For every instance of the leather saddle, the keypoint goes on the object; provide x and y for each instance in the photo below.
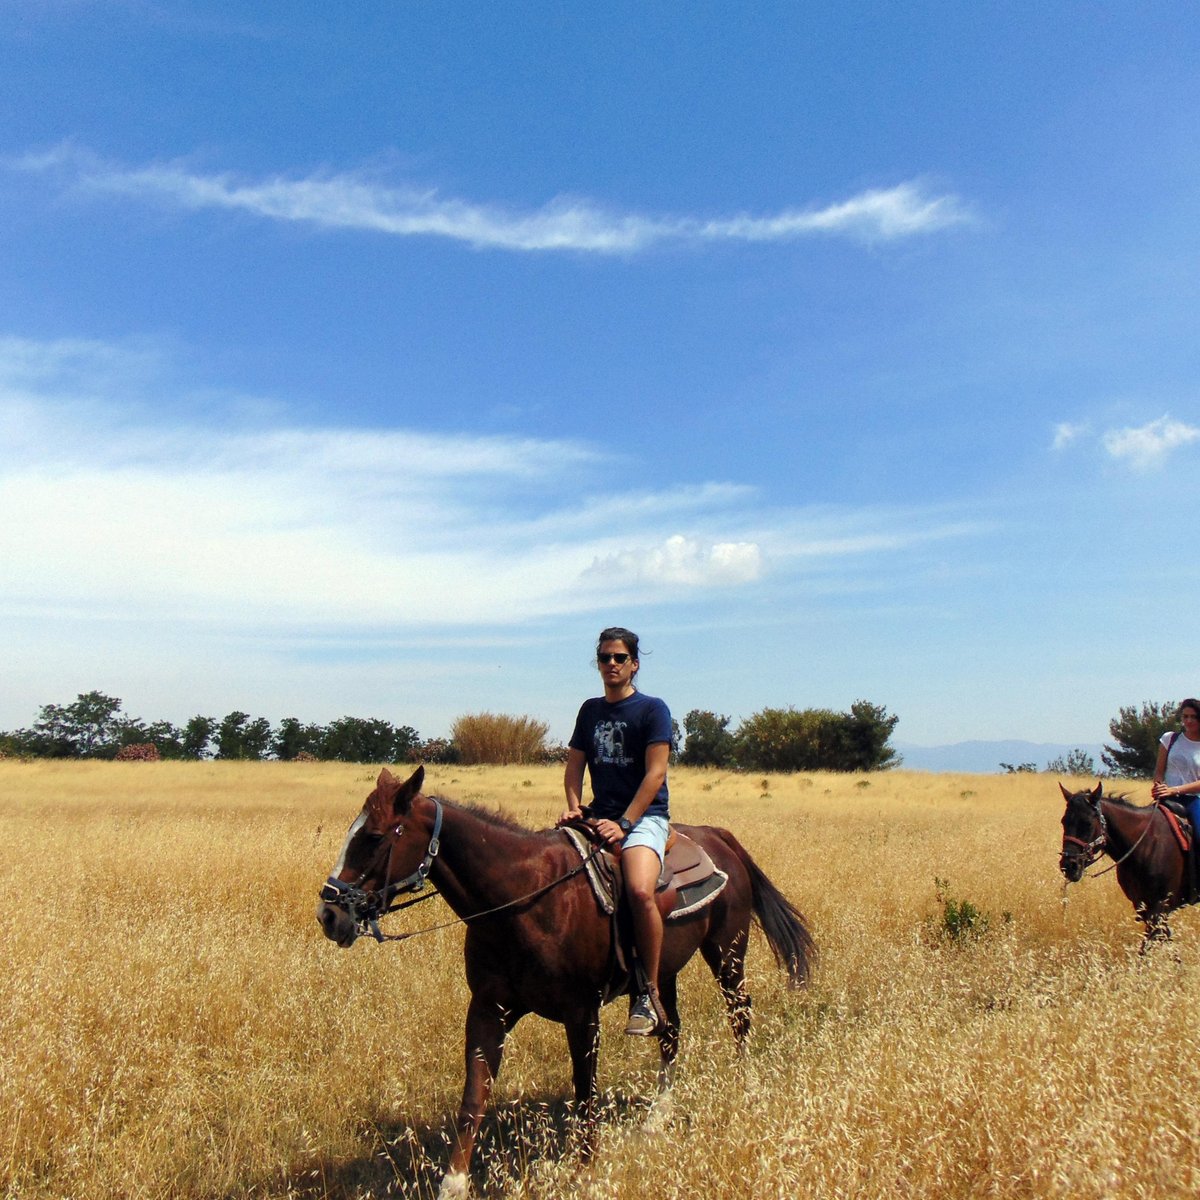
(688, 882)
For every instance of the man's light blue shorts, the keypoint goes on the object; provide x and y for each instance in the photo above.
(649, 831)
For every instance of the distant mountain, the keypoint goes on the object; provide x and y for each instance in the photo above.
(984, 758)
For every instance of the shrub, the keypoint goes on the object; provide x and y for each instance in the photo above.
(138, 752)
(438, 751)
(495, 738)
(816, 739)
(961, 921)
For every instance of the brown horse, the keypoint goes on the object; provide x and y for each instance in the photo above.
(1151, 867)
(536, 940)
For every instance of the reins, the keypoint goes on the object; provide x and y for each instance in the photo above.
(1100, 843)
(380, 903)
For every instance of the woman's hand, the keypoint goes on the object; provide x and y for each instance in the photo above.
(610, 831)
(572, 814)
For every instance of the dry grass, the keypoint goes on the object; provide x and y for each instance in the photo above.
(175, 1026)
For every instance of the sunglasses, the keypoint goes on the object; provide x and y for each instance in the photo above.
(619, 659)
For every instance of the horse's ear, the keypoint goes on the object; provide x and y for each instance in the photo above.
(404, 796)
(1064, 791)
(386, 778)
(1098, 790)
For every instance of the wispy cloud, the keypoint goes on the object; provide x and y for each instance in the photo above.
(1066, 433)
(1147, 446)
(110, 508)
(686, 561)
(352, 200)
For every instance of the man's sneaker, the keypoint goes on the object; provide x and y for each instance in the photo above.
(643, 1021)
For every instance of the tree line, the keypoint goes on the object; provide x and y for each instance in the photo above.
(93, 726)
(775, 739)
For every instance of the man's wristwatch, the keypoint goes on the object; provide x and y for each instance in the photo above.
(625, 823)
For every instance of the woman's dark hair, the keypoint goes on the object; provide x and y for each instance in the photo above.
(1191, 703)
(617, 634)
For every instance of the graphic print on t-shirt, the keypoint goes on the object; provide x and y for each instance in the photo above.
(608, 738)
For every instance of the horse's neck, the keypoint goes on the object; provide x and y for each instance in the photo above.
(481, 865)
(1127, 824)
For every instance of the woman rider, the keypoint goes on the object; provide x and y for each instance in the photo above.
(623, 738)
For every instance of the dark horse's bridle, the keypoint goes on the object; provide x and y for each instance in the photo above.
(1091, 851)
(365, 906)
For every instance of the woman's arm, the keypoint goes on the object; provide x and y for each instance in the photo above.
(1160, 791)
(573, 785)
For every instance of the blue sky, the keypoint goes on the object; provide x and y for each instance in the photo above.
(368, 359)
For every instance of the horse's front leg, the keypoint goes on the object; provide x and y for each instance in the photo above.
(1157, 930)
(487, 1027)
(583, 1041)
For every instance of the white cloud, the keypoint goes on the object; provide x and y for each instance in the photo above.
(1065, 433)
(349, 200)
(1147, 446)
(681, 560)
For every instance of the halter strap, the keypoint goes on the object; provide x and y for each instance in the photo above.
(375, 904)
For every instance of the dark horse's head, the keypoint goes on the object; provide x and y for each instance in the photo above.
(1084, 831)
(382, 856)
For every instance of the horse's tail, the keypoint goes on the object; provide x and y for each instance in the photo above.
(781, 921)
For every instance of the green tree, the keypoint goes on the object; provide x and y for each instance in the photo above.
(198, 734)
(162, 735)
(1075, 762)
(707, 740)
(90, 727)
(1136, 733)
(293, 738)
(358, 739)
(866, 731)
(239, 737)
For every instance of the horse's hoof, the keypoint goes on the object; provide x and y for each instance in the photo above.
(455, 1186)
(661, 1113)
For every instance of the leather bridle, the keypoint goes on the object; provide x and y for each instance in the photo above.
(365, 906)
(1089, 851)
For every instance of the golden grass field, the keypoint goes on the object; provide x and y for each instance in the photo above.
(174, 1024)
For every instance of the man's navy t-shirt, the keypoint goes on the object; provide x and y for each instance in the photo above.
(614, 737)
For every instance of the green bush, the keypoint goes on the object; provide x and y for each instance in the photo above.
(816, 739)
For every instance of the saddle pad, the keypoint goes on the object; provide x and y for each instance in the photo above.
(697, 880)
(1180, 826)
(599, 871)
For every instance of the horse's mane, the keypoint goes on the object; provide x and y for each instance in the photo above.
(1122, 800)
(489, 816)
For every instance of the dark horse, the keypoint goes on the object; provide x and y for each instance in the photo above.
(1151, 867)
(536, 940)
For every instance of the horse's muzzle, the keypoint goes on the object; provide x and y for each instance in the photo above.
(337, 925)
(1072, 866)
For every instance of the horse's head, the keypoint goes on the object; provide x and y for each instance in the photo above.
(382, 856)
(1084, 831)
